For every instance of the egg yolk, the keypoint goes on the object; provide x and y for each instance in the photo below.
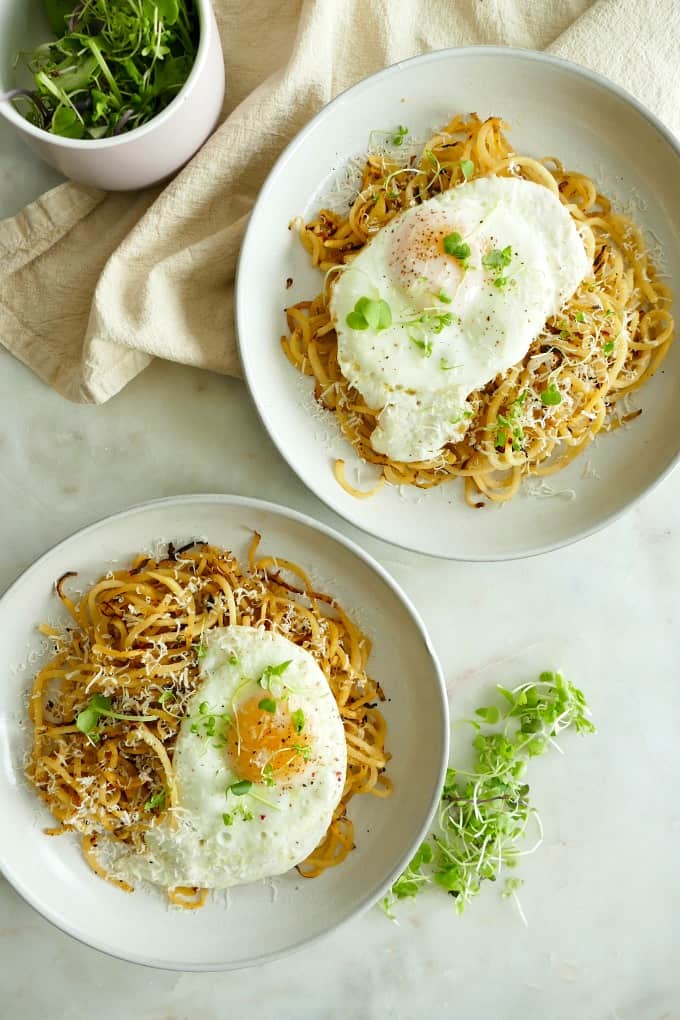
(265, 745)
(417, 260)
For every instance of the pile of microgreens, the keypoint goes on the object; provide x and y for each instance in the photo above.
(112, 67)
(485, 811)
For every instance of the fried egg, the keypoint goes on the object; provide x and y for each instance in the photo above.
(259, 764)
(470, 277)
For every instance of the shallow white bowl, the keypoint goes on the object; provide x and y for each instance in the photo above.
(147, 154)
(554, 108)
(255, 925)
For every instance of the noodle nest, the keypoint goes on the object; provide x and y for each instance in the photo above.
(607, 340)
(134, 638)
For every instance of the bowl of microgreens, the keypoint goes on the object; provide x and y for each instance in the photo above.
(117, 94)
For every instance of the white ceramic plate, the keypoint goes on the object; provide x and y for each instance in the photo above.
(554, 108)
(255, 924)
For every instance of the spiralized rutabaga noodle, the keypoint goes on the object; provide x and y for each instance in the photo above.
(134, 639)
(607, 340)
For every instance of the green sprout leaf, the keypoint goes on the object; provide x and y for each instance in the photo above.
(267, 705)
(272, 672)
(456, 246)
(423, 345)
(370, 313)
(399, 135)
(551, 396)
(240, 788)
(87, 720)
(356, 321)
(579, 316)
(210, 722)
(467, 167)
(298, 720)
(157, 801)
(67, 123)
(497, 259)
(608, 347)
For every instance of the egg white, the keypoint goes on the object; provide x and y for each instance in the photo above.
(191, 845)
(422, 394)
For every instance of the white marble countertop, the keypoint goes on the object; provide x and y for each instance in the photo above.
(601, 896)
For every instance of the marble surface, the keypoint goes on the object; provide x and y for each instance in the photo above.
(601, 896)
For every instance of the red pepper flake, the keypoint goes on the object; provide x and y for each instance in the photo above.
(262, 817)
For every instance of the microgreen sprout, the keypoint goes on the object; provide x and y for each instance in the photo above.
(239, 811)
(210, 723)
(244, 788)
(467, 167)
(399, 135)
(273, 673)
(456, 246)
(444, 297)
(608, 347)
(431, 319)
(370, 313)
(425, 346)
(232, 659)
(298, 720)
(579, 316)
(496, 261)
(446, 367)
(551, 396)
(267, 705)
(166, 696)
(510, 425)
(485, 811)
(304, 750)
(157, 801)
(432, 159)
(240, 788)
(87, 720)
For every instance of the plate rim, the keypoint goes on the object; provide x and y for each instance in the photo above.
(287, 513)
(448, 53)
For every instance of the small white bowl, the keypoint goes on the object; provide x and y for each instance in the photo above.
(147, 154)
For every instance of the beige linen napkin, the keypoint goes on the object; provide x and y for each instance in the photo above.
(93, 285)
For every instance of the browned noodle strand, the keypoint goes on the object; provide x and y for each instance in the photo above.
(607, 340)
(134, 636)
